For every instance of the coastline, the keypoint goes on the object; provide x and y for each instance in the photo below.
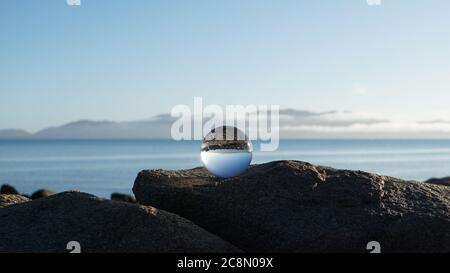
(276, 207)
(104, 167)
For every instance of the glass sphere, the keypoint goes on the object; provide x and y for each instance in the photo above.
(226, 151)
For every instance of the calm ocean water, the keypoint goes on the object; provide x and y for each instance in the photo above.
(103, 166)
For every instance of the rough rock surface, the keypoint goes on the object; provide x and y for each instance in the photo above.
(11, 199)
(41, 194)
(48, 224)
(439, 181)
(8, 189)
(122, 197)
(291, 206)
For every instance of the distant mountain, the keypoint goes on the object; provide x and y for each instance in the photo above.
(14, 134)
(293, 124)
(155, 128)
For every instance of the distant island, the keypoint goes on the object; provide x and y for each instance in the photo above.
(154, 128)
(293, 124)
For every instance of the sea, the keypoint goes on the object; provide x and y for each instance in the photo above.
(101, 167)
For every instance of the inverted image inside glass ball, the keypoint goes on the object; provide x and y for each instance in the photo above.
(226, 151)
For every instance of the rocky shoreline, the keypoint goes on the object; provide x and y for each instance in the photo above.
(7, 189)
(276, 207)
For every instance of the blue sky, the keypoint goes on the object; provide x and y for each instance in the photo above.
(127, 60)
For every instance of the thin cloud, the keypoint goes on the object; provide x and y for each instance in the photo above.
(291, 117)
(434, 121)
(359, 88)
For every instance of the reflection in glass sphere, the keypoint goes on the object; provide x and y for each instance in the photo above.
(226, 151)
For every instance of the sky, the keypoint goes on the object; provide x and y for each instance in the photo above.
(130, 60)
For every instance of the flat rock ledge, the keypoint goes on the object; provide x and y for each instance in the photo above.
(11, 199)
(49, 224)
(292, 206)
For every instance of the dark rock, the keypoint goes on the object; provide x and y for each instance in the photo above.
(122, 197)
(48, 224)
(8, 189)
(439, 181)
(291, 206)
(41, 194)
(11, 199)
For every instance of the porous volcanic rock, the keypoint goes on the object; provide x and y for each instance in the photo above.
(99, 225)
(292, 206)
